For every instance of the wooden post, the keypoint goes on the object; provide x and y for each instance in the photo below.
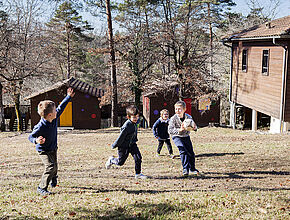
(254, 120)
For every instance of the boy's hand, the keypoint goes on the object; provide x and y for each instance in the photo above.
(182, 128)
(70, 92)
(40, 140)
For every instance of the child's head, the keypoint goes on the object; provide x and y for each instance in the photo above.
(132, 113)
(164, 114)
(180, 108)
(46, 109)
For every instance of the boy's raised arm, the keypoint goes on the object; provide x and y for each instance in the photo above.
(62, 105)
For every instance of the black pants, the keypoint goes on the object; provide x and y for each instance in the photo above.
(123, 154)
(49, 160)
(160, 145)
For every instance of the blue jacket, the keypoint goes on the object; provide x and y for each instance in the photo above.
(127, 136)
(160, 129)
(48, 130)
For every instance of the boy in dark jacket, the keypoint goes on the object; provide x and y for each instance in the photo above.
(160, 131)
(126, 143)
(180, 136)
(44, 135)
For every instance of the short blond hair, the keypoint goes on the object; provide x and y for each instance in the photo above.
(45, 107)
(181, 103)
(163, 111)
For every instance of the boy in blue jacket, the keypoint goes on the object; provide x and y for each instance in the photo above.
(126, 143)
(44, 135)
(160, 131)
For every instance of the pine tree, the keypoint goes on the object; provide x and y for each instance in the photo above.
(68, 34)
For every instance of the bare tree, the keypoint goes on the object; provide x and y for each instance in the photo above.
(25, 54)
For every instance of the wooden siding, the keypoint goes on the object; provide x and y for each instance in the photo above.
(251, 88)
(287, 100)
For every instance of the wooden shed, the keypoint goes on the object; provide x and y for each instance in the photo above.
(83, 112)
(260, 78)
(203, 110)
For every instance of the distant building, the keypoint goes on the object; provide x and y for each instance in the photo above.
(260, 72)
(205, 110)
(83, 112)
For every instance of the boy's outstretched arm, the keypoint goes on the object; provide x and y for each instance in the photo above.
(62, 105)
(120, 139)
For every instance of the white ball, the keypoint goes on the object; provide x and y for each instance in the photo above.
(188, 124)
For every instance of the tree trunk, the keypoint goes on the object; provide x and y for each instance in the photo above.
(210, 39)
(16, 99)
(114, 100)
(2, 118)
(68, 50)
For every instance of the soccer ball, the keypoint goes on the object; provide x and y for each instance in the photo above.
(189, 124)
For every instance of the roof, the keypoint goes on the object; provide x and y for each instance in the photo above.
(75, 84)
(279, 28)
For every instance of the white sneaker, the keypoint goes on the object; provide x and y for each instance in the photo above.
(109, 163)
(194, 172)
(140, 176)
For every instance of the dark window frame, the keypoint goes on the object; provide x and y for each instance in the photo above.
(265, 62)
(245, 60)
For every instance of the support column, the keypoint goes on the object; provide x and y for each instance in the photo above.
(233, 115)
(254, 120)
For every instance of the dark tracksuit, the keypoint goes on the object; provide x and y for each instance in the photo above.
(48, 150)
(160, 131)
(126, 143)
(183, 142)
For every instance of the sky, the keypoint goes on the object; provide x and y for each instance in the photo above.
(283, 9)
(242, 6)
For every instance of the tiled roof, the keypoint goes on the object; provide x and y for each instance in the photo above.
(75, 84)
(276, 28)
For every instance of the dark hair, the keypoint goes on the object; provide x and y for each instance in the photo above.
(132, 110)
(45, 107)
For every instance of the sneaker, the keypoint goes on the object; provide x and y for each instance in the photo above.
(194, 172)
(157, 155)
(53, 182)
(140, 176)
(43, 191)
(185, 172)
(109, 163)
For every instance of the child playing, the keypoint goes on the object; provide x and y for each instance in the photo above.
(126, 143)
(180, 137)
(44, 135)
(160, 131)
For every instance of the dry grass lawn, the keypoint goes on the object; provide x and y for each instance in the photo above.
(245, 176)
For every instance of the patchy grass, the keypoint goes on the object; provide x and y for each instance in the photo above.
(245, 176)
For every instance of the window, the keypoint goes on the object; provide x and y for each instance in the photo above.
(244, 60)
(265, 62)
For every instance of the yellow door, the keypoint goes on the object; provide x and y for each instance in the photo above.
(66, 117)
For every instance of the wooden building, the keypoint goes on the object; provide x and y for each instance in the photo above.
(203, 110)
(83, 112)
(260, 72)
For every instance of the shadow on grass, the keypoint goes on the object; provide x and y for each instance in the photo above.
(138, 210)
(234, 175)
(218, 154)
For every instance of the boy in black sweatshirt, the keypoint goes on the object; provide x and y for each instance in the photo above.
(44, 135)
(126, 143)
(160, 131)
